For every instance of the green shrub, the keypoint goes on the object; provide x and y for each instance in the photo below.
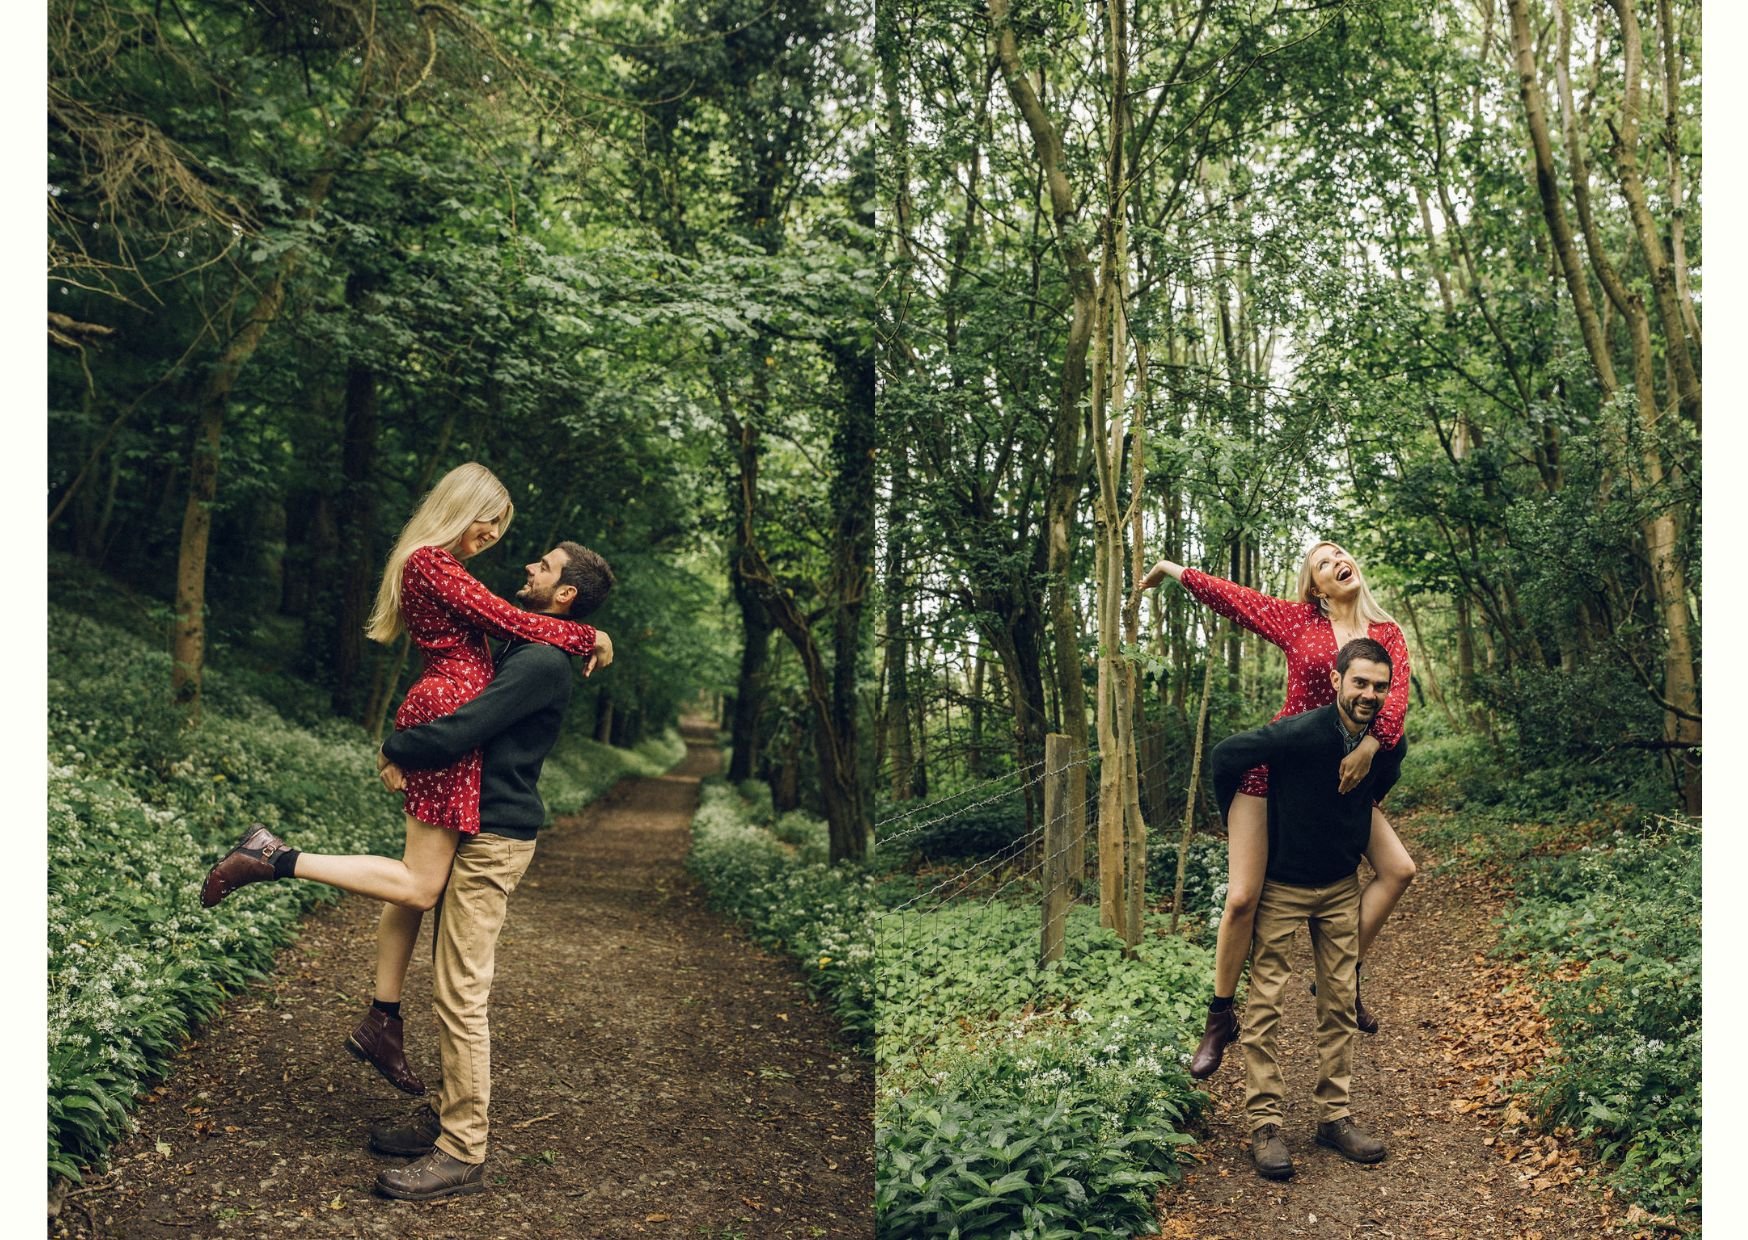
(1027, 1100)
(578, 770)
(1204, 874)
(949, 1167)
(792, 900)
(1628, 1070)
(973, 831)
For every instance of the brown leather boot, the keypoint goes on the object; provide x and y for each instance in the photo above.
(1348, 1141)
(377, 1041)
(251, 861)
(1361, 1014)
(433, 1176)
(1221, 1032)
(1269, 1153)
(1366, 1021)
(416, 1136)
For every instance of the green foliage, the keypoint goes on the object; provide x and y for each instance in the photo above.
(138, 809)
(1627, 1074)
(1488, 789)
(777, 883)
(579, 770)
(1204, 874)
(950, 1167)
(1016, 1099)
(972, 831)
(980, 960)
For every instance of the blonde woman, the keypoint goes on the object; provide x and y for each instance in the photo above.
(425, 591)
(1333, 607)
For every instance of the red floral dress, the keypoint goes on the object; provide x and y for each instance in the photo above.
(1308, 640)
(449, 614)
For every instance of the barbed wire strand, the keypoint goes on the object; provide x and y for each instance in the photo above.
(1025, 841)
(910, 811)
(917, 828)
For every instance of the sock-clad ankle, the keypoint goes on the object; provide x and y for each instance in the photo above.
(1220, 1003)
(382, 1005)
(285, 863)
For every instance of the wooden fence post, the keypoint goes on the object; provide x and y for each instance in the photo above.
(1058, 822)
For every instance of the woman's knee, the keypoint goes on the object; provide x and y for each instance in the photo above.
(1398, 870)
(1241, 901)
(422, 899)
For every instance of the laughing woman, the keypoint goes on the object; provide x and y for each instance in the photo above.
(427, 593)
(1334, 606)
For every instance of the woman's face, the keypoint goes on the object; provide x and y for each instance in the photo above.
(1334, 575)
(477, 537)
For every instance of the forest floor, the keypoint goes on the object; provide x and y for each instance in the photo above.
(1456, 1027)
(654, 1072)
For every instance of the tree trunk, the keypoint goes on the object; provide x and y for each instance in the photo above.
(897, 660)
(1626, 155)
(1553, 211)
(188, 644)
(357, 523)
(1068, 465)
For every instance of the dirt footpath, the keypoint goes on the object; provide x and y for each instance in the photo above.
(654, 1073)
(1461, 1164)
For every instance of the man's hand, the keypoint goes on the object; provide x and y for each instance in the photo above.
(602, 654)
(391, 776)
(1358, 764)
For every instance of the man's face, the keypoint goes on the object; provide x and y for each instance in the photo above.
(1359, 692)
(539, 591)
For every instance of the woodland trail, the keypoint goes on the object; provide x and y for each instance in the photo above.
(1462, 1163)
(654, 1072)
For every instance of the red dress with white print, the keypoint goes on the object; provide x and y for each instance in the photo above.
(448, 613)
(1307, 638)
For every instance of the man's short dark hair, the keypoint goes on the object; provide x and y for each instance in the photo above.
(586, 573)
(1362, 648)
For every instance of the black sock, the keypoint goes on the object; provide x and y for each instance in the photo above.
(393, 1009)
(1221, 1003)
(285, 863)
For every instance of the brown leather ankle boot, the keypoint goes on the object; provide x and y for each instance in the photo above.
(1221, 1032)
(377, 1041)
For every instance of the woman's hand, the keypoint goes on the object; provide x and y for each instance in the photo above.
(1358, 764)
(602, 654)
(1159, 572)
(391, 777)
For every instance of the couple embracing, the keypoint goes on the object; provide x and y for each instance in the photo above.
(470, 739)
(1301, 796)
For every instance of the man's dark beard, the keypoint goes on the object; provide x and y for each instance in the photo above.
(1347, 707)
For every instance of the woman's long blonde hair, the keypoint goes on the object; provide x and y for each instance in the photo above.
(1366, 607)
(465, 494)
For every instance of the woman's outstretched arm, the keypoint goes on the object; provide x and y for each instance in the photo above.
(1160, 571)
(1273, 619)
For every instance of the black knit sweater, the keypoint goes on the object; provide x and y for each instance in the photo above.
(1316, 834)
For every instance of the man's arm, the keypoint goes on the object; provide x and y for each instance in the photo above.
(1387, 769)
(1236, 754)
(524, 684)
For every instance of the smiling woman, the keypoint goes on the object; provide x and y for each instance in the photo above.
(1334, 606)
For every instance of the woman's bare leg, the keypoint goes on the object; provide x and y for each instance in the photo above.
(1247, 850)
(397, 930)
(415, 882)
(1247, 856)
(1394, 869)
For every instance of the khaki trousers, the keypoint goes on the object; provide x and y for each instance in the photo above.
(1333, 913)
(487, 869)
